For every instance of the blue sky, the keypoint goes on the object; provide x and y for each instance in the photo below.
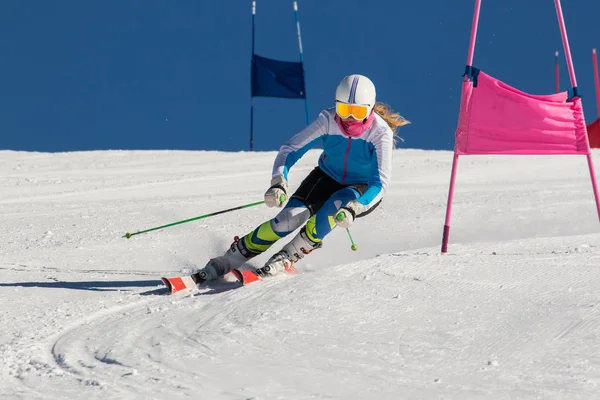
(82, 75)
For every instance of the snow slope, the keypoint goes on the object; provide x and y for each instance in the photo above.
(511, 312)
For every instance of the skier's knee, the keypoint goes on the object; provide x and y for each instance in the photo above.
(289, 219)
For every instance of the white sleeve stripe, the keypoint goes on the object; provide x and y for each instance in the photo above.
(383, 151)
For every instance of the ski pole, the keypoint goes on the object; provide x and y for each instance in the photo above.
(128, 235)
(354, 246)
(340, 216)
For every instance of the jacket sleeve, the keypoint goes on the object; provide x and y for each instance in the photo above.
(381, 170)
(291, 151)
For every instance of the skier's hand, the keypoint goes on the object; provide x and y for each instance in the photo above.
(276, 196)
(347, 214)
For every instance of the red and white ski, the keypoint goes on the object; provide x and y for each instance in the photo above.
(179, 284)
(246, 277)
(188, 283)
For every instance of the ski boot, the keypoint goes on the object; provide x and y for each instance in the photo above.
(234, 257)
(284, 259)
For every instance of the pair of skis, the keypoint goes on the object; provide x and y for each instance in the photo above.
(189, 283)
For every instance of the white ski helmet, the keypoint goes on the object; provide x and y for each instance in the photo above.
(356, 89)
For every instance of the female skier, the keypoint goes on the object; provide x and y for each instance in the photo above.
(352, 175)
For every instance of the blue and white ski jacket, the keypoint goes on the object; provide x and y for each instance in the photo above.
(363, 160)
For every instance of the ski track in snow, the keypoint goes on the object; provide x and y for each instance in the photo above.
(511, 311)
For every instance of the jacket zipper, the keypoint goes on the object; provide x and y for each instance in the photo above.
(346, 161)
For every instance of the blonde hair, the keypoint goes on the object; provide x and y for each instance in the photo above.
(393, 119)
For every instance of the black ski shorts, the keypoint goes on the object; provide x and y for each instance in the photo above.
(318, 187)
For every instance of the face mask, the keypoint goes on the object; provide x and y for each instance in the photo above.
(355, 128)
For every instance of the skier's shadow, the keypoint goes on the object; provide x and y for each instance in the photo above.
(218, 288)
(100, 286)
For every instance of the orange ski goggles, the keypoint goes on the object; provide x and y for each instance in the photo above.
(345, 110)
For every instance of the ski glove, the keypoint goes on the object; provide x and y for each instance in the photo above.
(276, 196)
(346, 215)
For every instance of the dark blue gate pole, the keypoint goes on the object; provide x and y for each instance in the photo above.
(252, 94)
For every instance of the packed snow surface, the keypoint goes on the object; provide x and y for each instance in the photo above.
(512, 311)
